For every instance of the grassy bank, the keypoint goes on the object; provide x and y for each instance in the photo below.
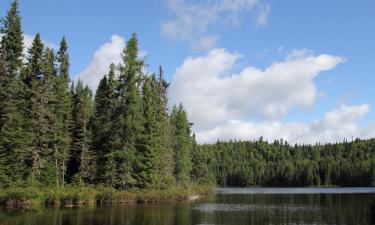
(86, 196)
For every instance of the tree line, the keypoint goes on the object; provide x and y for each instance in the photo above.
(55, 132)
(259, 163)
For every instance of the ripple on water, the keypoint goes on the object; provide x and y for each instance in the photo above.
(210, 208)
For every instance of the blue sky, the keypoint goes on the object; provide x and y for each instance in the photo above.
(236, 34)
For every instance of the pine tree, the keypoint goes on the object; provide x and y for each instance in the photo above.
(81, 170)
(157, 169)
(12, 41)
(32, 76)
(3, 153)
(11, 46)
(63, 112)
(183, 144)
(47, 121)
(102, 124)
(4, 95)
(128, 118)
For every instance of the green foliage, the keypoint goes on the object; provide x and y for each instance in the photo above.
(29, 197)
(155, 171)
(246, 163)
(63, 111)
(183, 144)
(57, 140)
(12, 41)
(82, 159)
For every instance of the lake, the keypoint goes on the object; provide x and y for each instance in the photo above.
(229, 206)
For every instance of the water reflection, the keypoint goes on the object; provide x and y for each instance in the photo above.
(228, 209)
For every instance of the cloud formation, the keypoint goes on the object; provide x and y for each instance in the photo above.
(336, 125)
(204, 84)
(193, 21)
(221, 104)
(108, 53)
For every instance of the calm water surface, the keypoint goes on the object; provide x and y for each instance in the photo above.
(230, 206)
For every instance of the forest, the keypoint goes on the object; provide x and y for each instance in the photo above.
(56, 133)
(279, 164)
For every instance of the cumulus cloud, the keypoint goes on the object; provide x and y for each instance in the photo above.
(205, 84)
(336, 125)
(222, 104)
(193, 21)
(108, 53)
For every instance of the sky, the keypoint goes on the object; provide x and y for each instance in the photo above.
(298, 70)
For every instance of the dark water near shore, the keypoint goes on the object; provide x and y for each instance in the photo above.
(230, 206)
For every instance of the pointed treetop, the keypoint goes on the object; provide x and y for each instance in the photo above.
(36, 50)
(161, 73)
(63, 47)
(12, 40)
(131, 50)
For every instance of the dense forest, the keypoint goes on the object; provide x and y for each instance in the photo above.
(55, 132)
(249, 163)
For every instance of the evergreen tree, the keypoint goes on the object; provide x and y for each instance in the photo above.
(4, 95)
(3, 153)
(128, 118)
(32, 77)
(102, 124)
(201, 158)
(81, 165)
(47, 129)
(11, 46)
(183, 144)
(157, 169)
(63, 110)
(12, 41)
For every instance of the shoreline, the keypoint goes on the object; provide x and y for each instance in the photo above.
(74, 197)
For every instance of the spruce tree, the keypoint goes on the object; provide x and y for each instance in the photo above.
(32, 76)
(63, 111)
(47, 130)
(12, 41)
(81, 164)
(11, 47)
(183, 144)
(102, 125)
(157, 169)
(3, 152)
(128, 118)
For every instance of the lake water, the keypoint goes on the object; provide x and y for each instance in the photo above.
(229, 206)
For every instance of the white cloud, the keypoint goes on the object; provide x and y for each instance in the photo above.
(336, 125)
(108, 53)
(205, 42)
(221, 104)
(204, 84)
(193, 21)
